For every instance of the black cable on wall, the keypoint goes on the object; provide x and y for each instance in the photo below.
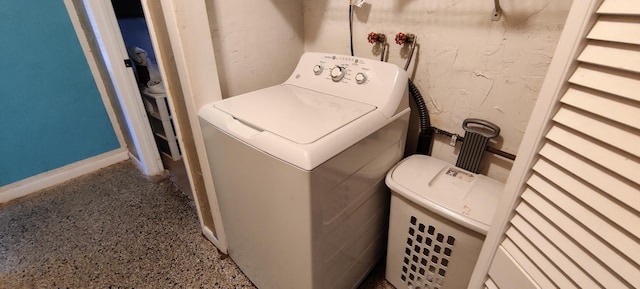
(351, 27)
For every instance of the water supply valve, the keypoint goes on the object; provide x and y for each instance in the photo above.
(376, 37)
(401, 38)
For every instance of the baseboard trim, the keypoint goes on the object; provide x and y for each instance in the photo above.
(47, 179)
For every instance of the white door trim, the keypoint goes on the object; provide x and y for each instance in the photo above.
(107, 32)
(190, 36)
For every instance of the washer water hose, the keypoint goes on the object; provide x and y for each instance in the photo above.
(425, 138)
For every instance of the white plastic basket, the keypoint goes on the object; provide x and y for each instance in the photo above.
(438, 220)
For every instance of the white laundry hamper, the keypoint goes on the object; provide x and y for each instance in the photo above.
(439, 217)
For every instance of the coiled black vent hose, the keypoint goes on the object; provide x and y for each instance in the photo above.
(425, 138)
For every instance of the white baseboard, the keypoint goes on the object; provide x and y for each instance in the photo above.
(59, 175)
(136, 162)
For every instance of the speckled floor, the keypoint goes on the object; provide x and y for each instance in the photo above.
(114, 229)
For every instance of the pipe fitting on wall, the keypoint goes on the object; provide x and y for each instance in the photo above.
(374, 37)
(402, 38)
(380, 38)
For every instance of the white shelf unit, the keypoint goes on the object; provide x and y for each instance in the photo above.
(161, 123)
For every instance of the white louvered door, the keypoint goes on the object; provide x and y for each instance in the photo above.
(577, 224)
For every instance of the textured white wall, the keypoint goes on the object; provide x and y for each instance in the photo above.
(257, 43)
(466, 65)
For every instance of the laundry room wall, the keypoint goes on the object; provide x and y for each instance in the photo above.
(257, 43)
(466, 65)
(52, 114)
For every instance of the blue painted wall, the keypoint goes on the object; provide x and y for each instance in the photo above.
(51, 113)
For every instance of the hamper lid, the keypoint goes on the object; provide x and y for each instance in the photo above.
(463, 197)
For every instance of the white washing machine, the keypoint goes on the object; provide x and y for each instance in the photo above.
(299, 170)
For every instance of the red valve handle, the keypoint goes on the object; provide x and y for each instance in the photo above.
(372, 37)
(401, 38)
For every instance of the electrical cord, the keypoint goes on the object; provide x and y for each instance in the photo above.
(351, 27)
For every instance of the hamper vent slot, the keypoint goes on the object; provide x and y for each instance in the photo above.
(426, 256)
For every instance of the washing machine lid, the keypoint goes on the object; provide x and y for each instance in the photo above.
(300, 115)
(463, 197)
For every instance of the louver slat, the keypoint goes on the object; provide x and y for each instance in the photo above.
(624, 138)
(623, 191)
(585, 217)
(539, 254)
(490, 285)
(563, 227)
(615, 108)
(555, 243)
(623, 216)
(526, 263)
(508, 273)
(620, 7)
(598, 152)
(613, 55)
(619, 29)
(611, 81)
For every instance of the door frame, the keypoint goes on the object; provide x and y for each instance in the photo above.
(187, 25)
(190, 69)
(107, 32)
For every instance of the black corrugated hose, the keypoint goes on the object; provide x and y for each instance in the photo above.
(425, 139)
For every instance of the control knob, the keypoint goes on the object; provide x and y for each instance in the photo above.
(337, 73)
(317, 69)
(361, 78)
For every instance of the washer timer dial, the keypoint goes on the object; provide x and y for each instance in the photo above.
(337, 73)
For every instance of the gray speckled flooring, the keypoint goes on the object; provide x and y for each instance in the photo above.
(114, 229)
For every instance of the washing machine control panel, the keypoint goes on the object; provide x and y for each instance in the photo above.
(370, 81)
(337, 68)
